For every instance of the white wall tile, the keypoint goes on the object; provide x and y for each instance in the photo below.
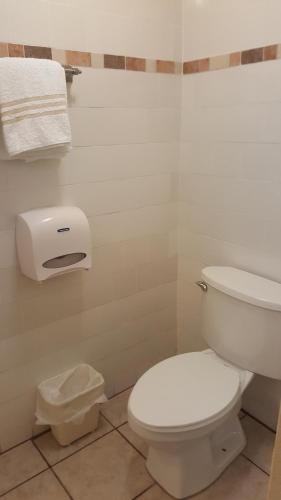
(7, 249)
(25, 22)
(214, 28)
(100, 126)
(109, 27)
(15, 430)
(120, 88)
(93, 164)
(229, 181)
(117, 196)
(121, 170)
(133, 224)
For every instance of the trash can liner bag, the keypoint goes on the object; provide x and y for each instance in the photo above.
(69, 396)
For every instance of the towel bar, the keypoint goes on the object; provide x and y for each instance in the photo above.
(70, 71)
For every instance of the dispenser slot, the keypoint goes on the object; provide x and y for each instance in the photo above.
(64, 260)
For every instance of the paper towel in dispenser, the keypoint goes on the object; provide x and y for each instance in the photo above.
(51, 241)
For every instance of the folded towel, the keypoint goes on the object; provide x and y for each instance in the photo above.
(30, 156)
(33, 109)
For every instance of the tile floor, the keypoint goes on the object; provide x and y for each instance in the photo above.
(109, 464)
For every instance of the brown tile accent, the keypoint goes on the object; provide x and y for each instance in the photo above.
(190, 67)
(38, 52)
(78, 58)
(270, 52)
(15, 50)
(252, 56)
(114, 62)
(235, 59)
(204, 64)
(4, 50)
(165, 66)
(135, 64)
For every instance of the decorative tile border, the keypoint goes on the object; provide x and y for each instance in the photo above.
(91, 60)
(251, 56)
(130, 63)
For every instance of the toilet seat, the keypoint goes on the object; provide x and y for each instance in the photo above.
(184, 392)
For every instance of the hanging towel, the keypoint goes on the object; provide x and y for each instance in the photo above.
(33, 109)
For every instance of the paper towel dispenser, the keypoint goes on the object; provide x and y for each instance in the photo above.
(51, 241)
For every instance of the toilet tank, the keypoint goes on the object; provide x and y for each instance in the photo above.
(241, 319)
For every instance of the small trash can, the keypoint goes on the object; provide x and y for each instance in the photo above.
(69, 403)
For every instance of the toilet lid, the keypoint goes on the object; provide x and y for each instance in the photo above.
(183, 391)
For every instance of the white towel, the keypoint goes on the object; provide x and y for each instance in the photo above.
(33, 109)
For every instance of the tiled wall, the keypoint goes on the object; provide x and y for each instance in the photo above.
(225, 61)
(121, 315)
(132, 27)
(91, 59)
(230, 175)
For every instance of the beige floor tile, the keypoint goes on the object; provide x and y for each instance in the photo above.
(115, 410)
(260, 443)
(136, 441)
(53, 452)
(42, 487)
(155, 493)
(109, 469)
(241, 481)
(18, 465)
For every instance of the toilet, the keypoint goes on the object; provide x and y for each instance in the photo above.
(187, 407)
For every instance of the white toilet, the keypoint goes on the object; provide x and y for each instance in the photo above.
(187, 406)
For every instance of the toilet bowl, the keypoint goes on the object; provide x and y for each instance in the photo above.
(192, 429)
(187, 406)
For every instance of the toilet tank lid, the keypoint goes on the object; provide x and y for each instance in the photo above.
(245, 286)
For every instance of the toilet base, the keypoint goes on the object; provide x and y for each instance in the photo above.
(187, 467)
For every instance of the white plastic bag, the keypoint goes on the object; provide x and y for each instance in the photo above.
(68, 397)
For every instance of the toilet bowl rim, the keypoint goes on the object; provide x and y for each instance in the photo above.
(245, 378)
(174, 430)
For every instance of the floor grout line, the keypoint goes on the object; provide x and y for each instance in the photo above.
(25, 481)
(108, 421)
(121, 425)
(131, 444)
(50, 466)
(16, 446)
(80, 449)
(40, 453)
(121, 392)
(144, 491)
(62, 484)
(31, 438)
(256, 465)
(52, 471)
(247, 414)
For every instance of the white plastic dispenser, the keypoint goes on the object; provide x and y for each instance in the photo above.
(51, 241)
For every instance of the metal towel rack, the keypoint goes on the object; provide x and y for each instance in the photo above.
(70, 72)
